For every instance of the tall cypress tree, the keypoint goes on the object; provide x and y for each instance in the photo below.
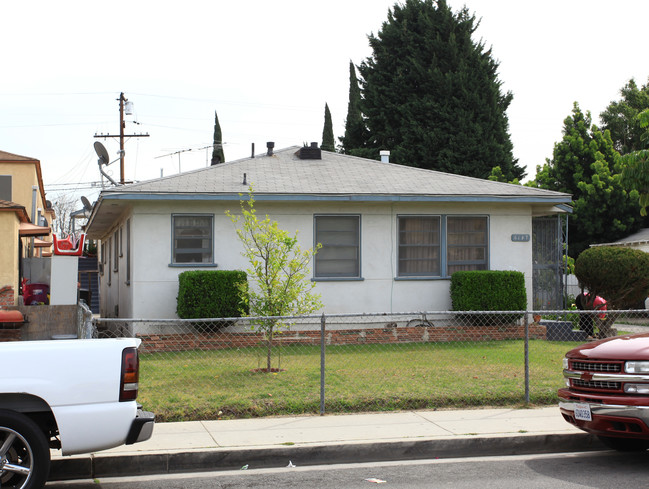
(431, 95)
(354, 141)
(328, 143)
(217, 152)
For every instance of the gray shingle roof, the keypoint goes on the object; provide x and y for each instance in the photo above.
(285, 174)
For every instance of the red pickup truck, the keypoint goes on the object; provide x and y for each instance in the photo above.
(607, 390)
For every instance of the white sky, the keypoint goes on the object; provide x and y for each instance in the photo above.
(268, 68)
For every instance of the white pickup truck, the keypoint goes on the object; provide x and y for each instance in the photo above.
(75, 395)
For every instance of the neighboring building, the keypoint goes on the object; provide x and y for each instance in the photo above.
(638, 241)
(392, 235)
(25, 217)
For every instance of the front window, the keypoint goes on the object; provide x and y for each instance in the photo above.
(192, 239)
(419, 246)
(339, 256)
(466, 243)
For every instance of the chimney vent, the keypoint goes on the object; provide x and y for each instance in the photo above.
(270, 145)
(310, 152)
(385, 156)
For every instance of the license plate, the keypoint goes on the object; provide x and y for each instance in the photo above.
(582, 412)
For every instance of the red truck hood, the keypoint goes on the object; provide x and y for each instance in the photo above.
(628, 347)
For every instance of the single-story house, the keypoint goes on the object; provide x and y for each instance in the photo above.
(392, 235)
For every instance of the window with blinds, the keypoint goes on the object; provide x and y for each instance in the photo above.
(192, 239)
(419, 246)
(339, 256)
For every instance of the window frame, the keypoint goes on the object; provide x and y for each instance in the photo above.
(358, 246)
(485, 245)
(420, 275)
(445, 262)
(6, 185)
(175, 263)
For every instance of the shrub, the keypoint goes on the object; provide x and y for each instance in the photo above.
(211, 294)
(618, 274)
(489, 290)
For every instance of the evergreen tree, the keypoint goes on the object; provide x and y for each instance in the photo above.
(217, 151)
(621, 118)
(328, 143)
(431, 95)
(583, 164)
(354, 142)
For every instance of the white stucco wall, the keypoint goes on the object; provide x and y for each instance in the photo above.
(154, 283)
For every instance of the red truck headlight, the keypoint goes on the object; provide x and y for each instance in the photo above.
(636, 367)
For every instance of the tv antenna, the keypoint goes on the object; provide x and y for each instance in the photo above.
(124, 104)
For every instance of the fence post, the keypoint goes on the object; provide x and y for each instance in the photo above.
(527, 358)
(322, 365)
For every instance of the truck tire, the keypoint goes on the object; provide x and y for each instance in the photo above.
(24, 452)
(625, 444)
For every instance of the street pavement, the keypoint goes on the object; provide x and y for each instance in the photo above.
(315, 440)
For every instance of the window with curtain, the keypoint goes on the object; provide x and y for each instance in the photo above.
(339, 256)
(466, 243)
(192, 239)
(419, 246)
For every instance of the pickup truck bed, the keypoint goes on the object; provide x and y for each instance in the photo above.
(75, 395)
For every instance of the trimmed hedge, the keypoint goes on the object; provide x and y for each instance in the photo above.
(618, 274)
(489, 290)
(211, 294)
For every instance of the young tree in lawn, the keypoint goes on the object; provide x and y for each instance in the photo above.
(431, 95)
(583, 164)
(217, 152)
(277, 273)
(328, 143)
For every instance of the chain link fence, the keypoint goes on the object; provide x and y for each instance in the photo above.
(244, 367)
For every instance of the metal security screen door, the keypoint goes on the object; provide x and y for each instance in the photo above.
(549, 236)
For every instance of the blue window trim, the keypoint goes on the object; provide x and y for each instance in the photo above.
(443, 246)
(360, 249)
(191, 265)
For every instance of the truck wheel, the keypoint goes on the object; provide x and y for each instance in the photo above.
(24, 452)
(625, 444)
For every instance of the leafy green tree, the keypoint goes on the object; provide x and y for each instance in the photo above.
(583, 164)
(635, 166)
(328, 143)
(277, 271)
(621, 118)
(217, 151)
(431, 95)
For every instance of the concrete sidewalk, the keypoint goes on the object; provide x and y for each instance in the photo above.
(311, 440)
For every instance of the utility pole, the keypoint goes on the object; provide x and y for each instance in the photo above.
(122, 125)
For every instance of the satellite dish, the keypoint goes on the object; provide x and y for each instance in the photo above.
(86, 203)
(102, 153)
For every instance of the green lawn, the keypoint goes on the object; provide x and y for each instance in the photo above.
(196, 385)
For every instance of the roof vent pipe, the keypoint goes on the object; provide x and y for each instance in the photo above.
(244, 180)
(385, 156)
(270, 145)
(252, 155)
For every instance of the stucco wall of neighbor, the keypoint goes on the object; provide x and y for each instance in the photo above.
(154, 283)
(9, 224)
(24, 176)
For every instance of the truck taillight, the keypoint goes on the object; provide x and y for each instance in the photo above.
(130, 375)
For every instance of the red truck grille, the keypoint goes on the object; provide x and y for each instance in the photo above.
(615, 367)
(597, 384)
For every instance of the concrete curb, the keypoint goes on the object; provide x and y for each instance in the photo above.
(98, 465)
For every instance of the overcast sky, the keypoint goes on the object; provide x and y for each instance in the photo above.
(268, 68)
